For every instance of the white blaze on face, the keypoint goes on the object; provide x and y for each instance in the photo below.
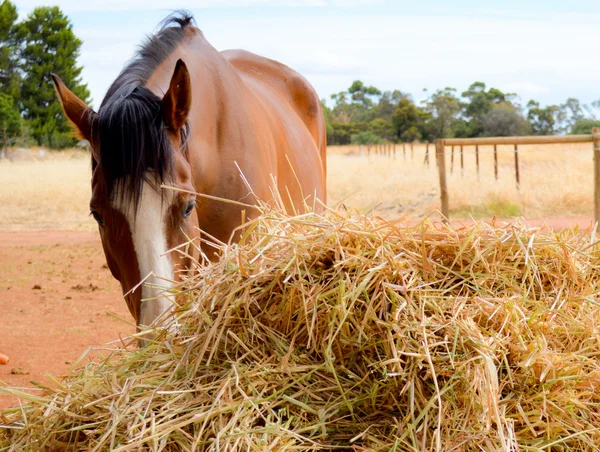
(148, 233)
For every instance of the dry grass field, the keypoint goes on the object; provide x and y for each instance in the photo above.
(556, 180)
(52, 192)
(46, 192)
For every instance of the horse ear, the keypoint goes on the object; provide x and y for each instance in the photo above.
(178, 99)
(82, 118)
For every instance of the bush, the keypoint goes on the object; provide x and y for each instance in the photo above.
(25, 139)
(10, 120)
(342, 133)
(382, 129)
(411, 134)
(505, 121)
(367, 137)
(584, 126)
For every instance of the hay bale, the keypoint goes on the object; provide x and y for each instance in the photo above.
(335, 332)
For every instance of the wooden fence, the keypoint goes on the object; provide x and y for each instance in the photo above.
(440, 146)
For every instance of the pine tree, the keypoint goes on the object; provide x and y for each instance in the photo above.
(48, 44)
(9, 76)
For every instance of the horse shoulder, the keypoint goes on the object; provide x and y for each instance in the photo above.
(300, 113)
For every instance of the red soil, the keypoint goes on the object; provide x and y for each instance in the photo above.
(56, 300)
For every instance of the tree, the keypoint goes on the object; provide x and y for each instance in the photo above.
(479, 103)
(382, 129)
(570, 112)
(363, 94)
(505, 121)
(354, 105)
(444, 108)
(48, 44)
(345, 111)
(584, 126)
(327, 117)
(10, 120)
(366, 137)
(387, 104)
(544, 121)
(406, 120)
(593, 108)
(9, 76)
(342, 133)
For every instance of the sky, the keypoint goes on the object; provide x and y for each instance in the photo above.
(543, 50)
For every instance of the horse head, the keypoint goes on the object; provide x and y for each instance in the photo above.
(139, 145)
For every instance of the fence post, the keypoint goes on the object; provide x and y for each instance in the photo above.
(596, 144)
(4, 148)
(477, 159)
(462, 161)
(426, 159)
(404, 150)
(496, 161)
(517, 177)
(452, 160)
(412, 151)
(441, 160)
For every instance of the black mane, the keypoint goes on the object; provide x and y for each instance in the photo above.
(131, 134)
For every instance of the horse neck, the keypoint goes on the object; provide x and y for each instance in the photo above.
(210, 74)
(217, 118)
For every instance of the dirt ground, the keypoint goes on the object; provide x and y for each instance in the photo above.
(58, 298)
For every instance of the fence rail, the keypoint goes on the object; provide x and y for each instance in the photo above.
(440, 146)
(518, 140)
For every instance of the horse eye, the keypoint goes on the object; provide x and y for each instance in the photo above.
(188, 209)
(97, 217)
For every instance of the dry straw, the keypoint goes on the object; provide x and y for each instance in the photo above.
(349, 333)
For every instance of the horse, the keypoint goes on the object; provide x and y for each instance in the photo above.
(215, 127)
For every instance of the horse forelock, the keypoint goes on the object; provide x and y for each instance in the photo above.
(133, 143)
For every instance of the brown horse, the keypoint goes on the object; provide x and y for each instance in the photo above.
(216, 125)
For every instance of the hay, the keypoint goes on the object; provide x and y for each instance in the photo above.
(333, 332)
